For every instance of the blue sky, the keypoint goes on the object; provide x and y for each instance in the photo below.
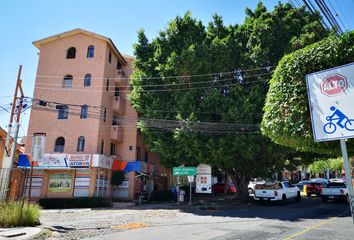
(22, 22)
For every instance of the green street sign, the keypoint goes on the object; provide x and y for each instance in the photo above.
(185, 171)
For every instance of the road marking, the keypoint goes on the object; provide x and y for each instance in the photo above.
(313, 227)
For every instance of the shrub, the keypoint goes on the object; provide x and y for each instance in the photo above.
(19, 213)
(286, 118)
(82, 202)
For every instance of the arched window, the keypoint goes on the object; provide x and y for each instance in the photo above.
(84, 110)
(59, 144)
(90, 51)
(71, 52)
(68, 81)
(81, 144)
(63, 111)
(87, 80)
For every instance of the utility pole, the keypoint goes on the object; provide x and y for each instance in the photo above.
(9, 156)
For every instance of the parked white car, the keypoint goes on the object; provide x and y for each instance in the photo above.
(277, 191)
(252, 184)
(335, 190)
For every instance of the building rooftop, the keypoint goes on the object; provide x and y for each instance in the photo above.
(42, 41)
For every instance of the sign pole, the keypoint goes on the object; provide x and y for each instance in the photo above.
(190, 193)
(348, 176)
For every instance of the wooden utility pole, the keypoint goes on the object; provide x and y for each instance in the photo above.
(9, 156)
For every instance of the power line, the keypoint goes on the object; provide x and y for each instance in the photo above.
(340, 9)
(161, 90)
(166, 77)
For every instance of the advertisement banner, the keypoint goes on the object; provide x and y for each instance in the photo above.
(38, 147)
(102, 161)
(203, 179)
(79, 160)
(52, 161)
(60, 182)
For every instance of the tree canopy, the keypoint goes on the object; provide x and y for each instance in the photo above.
(191, 117)
(286, 118)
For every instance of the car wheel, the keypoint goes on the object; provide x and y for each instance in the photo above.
(283, 200)
(324, 199)
(298, 197)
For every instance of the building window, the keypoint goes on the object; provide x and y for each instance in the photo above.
(110, 57)
(81, 144)
(105, 115)
(71, 53)
(68, 81)
(146, 156)
(59, 144)
(113, 149)
(119, 65)
(90, 51)
(63, 111)
(107, 85)
(87, 80)
(102, 146)
(116, 91)
(115, 120)
(84, 110)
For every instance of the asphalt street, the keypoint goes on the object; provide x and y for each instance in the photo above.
(309, 219)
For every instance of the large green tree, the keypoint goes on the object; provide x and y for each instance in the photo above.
(214, 118)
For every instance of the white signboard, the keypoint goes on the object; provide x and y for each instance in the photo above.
(331, 99)
(102, 161)
(203, 179)
(52, 161)
(79, 160)
(38, 146)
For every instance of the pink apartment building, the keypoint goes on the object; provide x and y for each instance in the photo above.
(80, 105)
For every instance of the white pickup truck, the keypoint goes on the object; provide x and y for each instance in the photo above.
(335, 191)
(277, 191)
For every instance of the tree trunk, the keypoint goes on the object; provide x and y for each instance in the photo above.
(241, 186)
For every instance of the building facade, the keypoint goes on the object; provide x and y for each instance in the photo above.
(80, 106)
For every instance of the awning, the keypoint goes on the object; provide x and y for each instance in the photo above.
(134, 166)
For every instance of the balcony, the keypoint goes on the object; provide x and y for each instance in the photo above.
(118, 105)
(117, 133)
(121, 78)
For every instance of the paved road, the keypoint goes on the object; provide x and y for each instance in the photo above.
(309, 219)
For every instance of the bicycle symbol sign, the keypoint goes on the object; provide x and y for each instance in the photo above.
(342, 121)
(330, 95)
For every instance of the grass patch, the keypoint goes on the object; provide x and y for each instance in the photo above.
(18, 213)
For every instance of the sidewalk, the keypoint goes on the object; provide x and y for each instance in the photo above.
(19, 233)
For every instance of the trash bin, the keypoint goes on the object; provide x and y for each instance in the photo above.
(181, 195)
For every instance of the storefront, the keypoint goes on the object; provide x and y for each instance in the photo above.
(67, 175)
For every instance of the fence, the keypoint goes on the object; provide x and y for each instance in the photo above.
(12, 182)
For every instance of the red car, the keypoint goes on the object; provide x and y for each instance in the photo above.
(314, 188)
(220, 188)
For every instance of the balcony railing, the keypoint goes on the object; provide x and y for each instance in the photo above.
(117, 133)
(118, 105)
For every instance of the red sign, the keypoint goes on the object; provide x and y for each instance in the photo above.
(334, 85)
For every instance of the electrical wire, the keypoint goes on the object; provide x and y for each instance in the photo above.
(166, 77)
